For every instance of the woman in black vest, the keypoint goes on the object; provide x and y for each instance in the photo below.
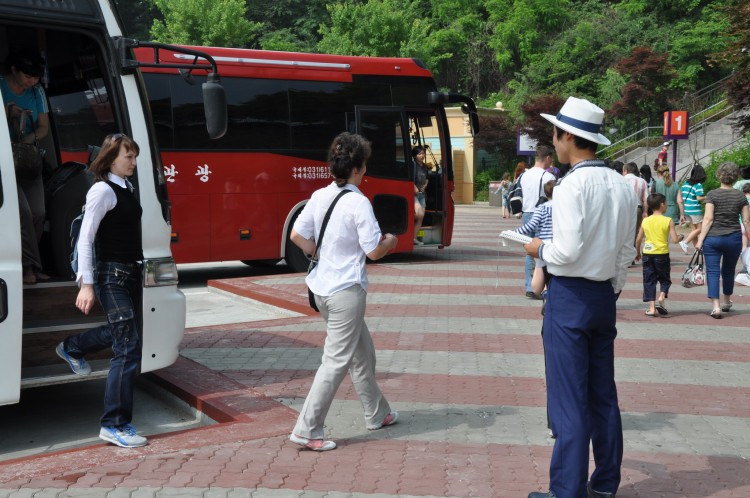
(112, 221)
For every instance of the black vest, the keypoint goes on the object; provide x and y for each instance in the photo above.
(119, 234)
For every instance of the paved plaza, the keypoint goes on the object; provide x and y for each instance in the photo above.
(460, 358)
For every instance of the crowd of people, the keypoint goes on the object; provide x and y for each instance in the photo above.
(579, 271)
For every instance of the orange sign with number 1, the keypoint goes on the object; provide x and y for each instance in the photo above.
(676, 124)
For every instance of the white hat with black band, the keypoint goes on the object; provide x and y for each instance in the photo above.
(580, 118)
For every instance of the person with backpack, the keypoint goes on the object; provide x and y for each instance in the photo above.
(532, 187)
(112, 218)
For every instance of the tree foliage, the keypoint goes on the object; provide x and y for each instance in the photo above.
(203, 22)
(647, 91)
(527, 53)
(737, 55)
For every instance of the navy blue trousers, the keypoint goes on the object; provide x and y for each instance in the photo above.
(579, 335)
(118, 288)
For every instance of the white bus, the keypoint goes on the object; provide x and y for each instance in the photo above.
(93, 87)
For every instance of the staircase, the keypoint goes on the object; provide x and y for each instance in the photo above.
(711, 130)
(705, 138)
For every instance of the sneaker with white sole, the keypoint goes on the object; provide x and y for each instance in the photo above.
(684, 246)
(124, 436)
(78, 365)
(390, 419)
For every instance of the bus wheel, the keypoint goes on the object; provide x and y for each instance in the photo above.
(261, 263)
(295, 258)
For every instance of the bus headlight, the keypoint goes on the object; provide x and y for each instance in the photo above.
(159, 272)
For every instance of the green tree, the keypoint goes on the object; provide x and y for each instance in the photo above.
(737, 55)
(647, 93)
(522, 27)
(290, 25)
(376, 28)
(204, 22)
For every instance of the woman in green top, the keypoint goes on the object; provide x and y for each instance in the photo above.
(670, 190)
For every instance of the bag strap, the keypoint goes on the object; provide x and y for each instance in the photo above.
(696, 259)
(541, 192)
(325, 221)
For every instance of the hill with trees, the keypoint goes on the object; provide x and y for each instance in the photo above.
(634, 58)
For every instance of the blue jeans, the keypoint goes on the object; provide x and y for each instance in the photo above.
(656, 268)
(721, 253)
(529, 264)
(579, 336)
(118, 288)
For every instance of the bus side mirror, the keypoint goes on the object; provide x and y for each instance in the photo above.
(215, 106)
(467, 106)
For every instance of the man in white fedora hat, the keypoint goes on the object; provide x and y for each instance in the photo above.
(588, 258)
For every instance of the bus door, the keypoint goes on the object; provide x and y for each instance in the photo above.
(11, 288)
(425, 131)
(389, 180)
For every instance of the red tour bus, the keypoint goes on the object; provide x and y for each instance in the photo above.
(236, 198)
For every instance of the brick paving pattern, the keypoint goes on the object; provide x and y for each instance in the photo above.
(460, 357)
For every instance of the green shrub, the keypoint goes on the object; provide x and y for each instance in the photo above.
(482, 183)
(738, 155)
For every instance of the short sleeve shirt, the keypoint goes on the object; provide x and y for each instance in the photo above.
(33, 99)
(728, 204)
(690, 194)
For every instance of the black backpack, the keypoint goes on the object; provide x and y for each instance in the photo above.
(515, 196)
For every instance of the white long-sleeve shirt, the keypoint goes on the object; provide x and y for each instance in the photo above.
(593, 225)
(100, 199)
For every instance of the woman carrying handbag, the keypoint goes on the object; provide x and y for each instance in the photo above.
(27, 113)
(721, 236)
(339, 285)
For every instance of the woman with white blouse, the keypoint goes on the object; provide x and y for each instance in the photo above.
(339, 283)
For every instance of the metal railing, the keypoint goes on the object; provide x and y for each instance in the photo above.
(697, 104)
(652, 142)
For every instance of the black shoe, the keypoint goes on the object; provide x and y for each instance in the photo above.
(532, 295)
(537, 494)
(597, 494)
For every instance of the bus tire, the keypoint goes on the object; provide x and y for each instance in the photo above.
(295, 258)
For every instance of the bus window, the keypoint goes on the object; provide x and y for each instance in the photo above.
(384, 128)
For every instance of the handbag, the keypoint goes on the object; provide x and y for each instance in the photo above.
(314, 258)
(27, 158)
(694, 275)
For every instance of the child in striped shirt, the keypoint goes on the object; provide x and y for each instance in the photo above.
(540, 225)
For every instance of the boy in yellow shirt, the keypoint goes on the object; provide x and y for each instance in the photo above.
(656, 229)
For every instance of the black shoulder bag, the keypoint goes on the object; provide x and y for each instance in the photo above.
(314, 259)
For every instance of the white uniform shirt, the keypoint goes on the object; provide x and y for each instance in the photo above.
(531, 188)
(351, 234)
(593, 226)
(100, 199)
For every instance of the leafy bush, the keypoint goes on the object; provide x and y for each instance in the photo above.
(738, 155)
(482, 183)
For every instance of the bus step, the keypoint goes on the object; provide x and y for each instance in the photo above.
(69, 325)
(60, 373)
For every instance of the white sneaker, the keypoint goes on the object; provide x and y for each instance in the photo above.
(124, 436)
(684, 245)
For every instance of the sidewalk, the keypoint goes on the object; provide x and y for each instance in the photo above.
(460, 357)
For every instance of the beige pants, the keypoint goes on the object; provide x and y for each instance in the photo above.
(348, 347)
